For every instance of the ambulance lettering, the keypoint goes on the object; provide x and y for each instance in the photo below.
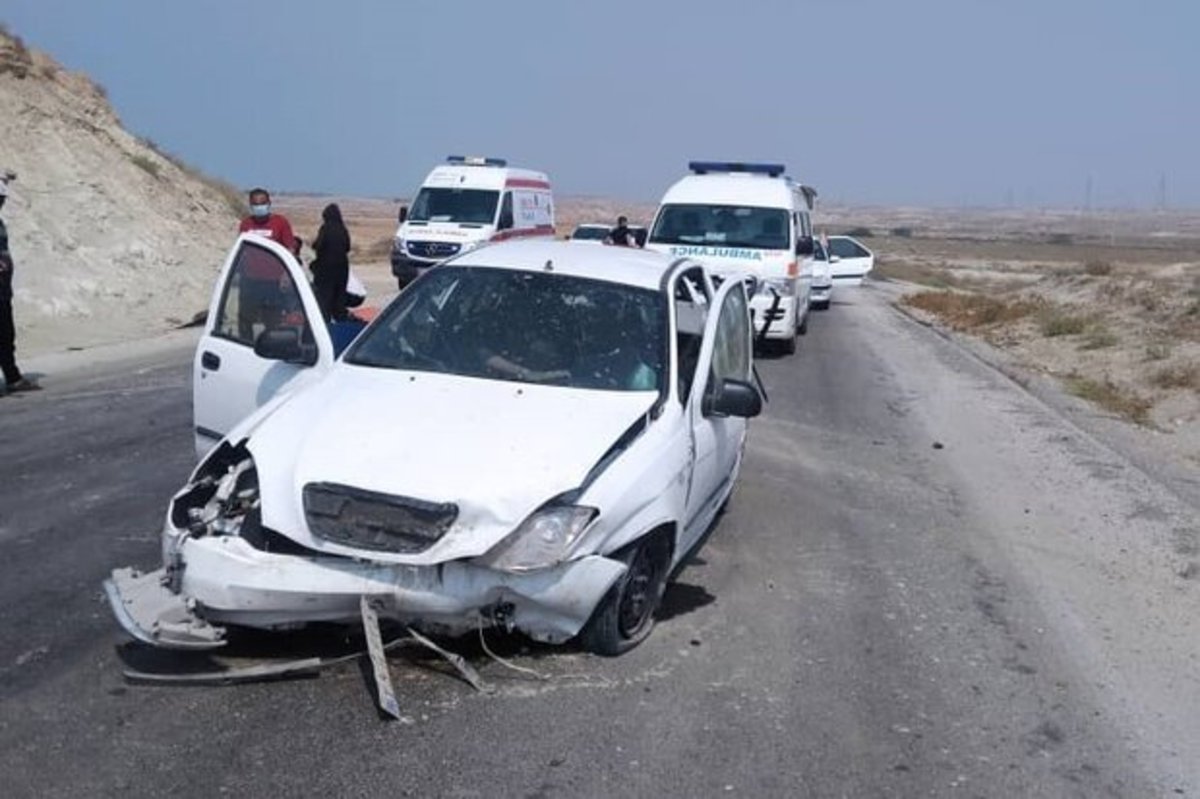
(696, 251)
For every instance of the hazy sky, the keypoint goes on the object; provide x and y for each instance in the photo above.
(945, 102)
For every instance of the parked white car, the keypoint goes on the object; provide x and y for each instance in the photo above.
(532, 435)
(593, 232)
(849, 260)
(598, 233)
(822, 282)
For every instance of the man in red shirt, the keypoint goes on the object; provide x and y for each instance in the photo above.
(263, 278)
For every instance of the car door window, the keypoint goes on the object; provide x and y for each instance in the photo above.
(259, 295)
(731, 348)
(692, 301)
(846, 248)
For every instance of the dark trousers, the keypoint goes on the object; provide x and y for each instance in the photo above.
(8, 337)
(331, 296)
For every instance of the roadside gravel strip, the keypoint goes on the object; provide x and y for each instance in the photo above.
(1108, 550)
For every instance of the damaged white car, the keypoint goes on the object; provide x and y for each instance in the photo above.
(531, 436)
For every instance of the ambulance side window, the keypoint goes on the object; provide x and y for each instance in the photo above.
(506, 212)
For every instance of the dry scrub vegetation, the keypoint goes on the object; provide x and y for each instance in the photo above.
(1115, 317)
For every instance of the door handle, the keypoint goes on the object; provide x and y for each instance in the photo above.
(211, 361)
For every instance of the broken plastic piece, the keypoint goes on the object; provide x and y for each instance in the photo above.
(464, 668)
(149, 611)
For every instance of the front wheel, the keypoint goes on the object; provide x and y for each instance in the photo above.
(625, 616)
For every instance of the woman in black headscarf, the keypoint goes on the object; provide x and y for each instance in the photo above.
(331, 267)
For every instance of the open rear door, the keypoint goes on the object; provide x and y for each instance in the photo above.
(262, 289)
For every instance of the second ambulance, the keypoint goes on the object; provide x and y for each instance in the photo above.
(466, 203)
(740, 219)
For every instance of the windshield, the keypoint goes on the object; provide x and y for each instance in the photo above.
(533, 327)
(472, 206)
(723, 226)
(590, 233)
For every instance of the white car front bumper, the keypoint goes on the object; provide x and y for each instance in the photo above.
(226, 581)
(778, 311)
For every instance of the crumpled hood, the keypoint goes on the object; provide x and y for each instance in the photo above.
(497, 449)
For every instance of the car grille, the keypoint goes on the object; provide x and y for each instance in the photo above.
(378, 522)
(433, 249)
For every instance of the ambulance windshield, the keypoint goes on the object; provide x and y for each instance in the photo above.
(469, 206)
(722, 226)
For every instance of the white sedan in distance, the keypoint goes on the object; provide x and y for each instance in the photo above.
(849, 260)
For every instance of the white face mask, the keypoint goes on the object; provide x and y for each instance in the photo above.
(260, 211)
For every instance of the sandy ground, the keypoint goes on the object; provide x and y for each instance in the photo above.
(1115, 320)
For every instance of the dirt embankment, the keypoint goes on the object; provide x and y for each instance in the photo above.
(1109, 306)
(112, 238)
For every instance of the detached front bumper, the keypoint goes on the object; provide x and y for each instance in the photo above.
(226, 581)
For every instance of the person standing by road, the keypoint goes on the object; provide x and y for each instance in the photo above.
(621, 235)
(331, 267)
(264, 223)
(13, 379)
(260, 297)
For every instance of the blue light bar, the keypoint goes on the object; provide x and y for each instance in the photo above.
(475, 160)
(704, 167)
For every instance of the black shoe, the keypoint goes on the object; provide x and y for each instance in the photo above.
(24, 384)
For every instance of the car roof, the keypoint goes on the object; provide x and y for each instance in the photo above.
(593, 224)
(628, 265)
(732, 189)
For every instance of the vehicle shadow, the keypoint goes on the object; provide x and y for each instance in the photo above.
(682, 598)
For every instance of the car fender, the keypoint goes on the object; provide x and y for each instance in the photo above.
(642, 489)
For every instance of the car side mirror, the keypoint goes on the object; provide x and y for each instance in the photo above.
(403, 215)
(833, 259)
(804, 245)
(733, 398)
(283, 344)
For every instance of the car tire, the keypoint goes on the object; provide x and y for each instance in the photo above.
(822, 305)
(802, 327)
(625, 617)
(788, 345)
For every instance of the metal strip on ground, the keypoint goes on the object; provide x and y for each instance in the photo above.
(379, 664)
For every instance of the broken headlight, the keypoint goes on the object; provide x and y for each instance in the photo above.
(542, 540)
(221, 494)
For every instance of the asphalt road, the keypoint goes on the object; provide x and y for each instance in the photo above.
(928, 583)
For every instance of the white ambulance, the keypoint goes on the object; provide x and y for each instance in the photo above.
(746, 219)
(466, 203)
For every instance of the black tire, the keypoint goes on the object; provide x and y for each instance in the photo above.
(802, 328)
(625, 617)
(822, 305)
(788, 345)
